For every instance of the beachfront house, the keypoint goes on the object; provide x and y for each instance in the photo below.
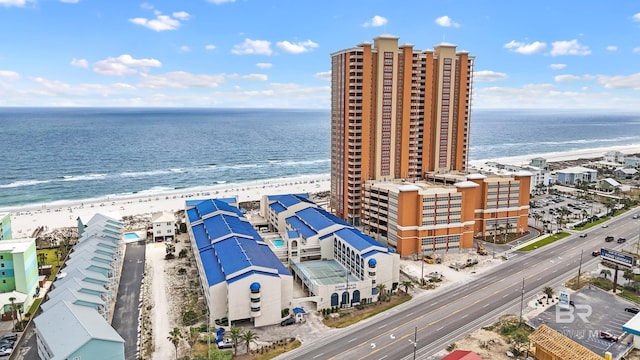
(539, 162)
(241, 277)
(608, 185)
(631, 161)
(5, 226)
(625, 173)
(614, 157)
(164, 226)
(18, 276)
(576, 174)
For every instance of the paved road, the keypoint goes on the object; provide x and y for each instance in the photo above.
(125, 315)
(443, 318)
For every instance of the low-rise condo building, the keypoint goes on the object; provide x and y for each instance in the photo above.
(5, 226)
(18, 276)
(421, 218)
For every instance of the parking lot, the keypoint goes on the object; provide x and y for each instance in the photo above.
(549, 207)
(594, 311)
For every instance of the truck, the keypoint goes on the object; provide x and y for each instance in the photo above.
(480, 249)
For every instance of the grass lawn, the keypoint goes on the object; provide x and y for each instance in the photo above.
(49, 257)
(545, 241)
(353, 315)
(592, 224)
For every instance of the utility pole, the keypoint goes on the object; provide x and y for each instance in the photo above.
(580, 268)
(415, 342)
(521, 301)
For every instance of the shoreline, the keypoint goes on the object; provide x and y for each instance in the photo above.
(64, 213)
(593, 153)
(25, 219)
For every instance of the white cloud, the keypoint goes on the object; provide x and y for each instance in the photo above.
(123, 65)
(525, 49)
(567, 77)
(162, 22)
(257, 77)
(612, 48)
(218, 2)
(539, 96)
(180, 80)
(185, 48)
(81, 63)
(488, 76)
(636, 17)
(253, 47)
(70, 1)
(620, 81)
(376, 21)
(210, 47)
(182, 15)
(18, 3)
(636, 50)
(570, 47)
(264, 65)
(446, 21)
(296, 48)
(558, 66)
(9, 75)
(324, 75)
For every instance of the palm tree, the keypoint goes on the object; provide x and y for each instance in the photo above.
(381, 288)
(194, 335)
(537, 217)
(629, 275)
(549, 292)
(235, 334)
(407, 285)
(13, 310)
(174, 336)
(604, 273)
(249, 337)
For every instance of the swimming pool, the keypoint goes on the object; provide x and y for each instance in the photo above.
(131, 236)
(279, 243)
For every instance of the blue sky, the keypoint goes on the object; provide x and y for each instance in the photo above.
(276, 53)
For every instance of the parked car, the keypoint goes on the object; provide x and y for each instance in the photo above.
(621, 240)
(583, 235)
(595, 253)
(226, 344)
(288, 321)
(4, 351)
(608, 239)
(10, 336)
(633, 310)
(608, 336)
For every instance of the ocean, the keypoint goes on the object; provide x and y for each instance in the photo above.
(63, 154)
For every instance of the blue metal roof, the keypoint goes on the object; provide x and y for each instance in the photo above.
(237, 245)
(204, 207)
(301, 227)
(277, 207)
(314, 218)
(299, 310)
(250, 273)
(292, 234)
(359, 240)
(212, 268)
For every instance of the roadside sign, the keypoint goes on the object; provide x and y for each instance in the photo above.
(563, 300)
(617, 257)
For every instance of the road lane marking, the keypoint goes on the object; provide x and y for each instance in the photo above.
(354, 339)
(317, 356)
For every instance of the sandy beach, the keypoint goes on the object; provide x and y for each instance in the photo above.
(560, 156)
(24, 220)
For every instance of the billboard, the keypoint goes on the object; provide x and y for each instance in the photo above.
(617, 257)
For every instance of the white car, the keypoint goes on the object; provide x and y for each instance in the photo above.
(605, 225)
(636, 216)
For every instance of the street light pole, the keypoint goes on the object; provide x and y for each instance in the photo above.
(580, 268)
(415, 342)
